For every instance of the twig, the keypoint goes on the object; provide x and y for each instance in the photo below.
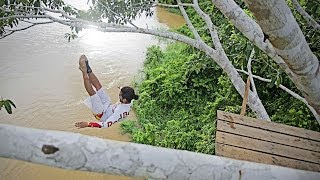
(295, 95)
(250, 73)
(173, 6)
(210, 25)
(305, 15)
(190, 25)
(21, 29)
(26, 16)
(101, 24)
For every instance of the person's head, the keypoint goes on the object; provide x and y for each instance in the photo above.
(127, 94)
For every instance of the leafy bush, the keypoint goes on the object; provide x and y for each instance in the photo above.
(182, 89)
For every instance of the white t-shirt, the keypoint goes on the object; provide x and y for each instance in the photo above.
(115, 113)
(112, 113)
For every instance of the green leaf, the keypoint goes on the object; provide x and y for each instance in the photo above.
(272, 83)
(12, 103)
(8, 107)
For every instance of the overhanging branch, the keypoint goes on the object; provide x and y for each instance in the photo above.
(295, 95)
(11, 31)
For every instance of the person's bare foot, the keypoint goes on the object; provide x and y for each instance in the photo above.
(82, 63)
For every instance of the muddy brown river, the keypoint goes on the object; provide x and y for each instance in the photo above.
(39, 73)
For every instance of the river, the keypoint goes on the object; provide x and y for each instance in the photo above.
(39, 73)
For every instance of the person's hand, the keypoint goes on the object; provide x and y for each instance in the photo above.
(81, 124)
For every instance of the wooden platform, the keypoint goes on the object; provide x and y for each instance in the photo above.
(250, 139)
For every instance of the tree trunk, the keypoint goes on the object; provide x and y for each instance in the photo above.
(282, 30)
(85, 153)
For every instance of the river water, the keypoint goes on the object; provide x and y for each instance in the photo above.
(39, 73)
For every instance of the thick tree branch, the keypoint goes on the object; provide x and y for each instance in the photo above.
(286, 36)
(85, 153)
(250, 29)
(295, 95)
(305, 15)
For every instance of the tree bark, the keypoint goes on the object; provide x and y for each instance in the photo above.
(250, 29)
(282, 30)
(79, 152)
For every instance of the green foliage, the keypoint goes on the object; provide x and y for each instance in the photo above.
(311, 34)
(70, 36)
(120, 12)
(22, 7)
(178, 100)
(182, 89)
(7, 105)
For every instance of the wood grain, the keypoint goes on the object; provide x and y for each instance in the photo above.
(253, 156)
(271, 126)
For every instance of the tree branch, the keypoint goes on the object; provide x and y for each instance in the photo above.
(295, 95)
(250, 29)
(250, 73)
(289, 42)
(26, 16)
(190, 25)
(210, 25)
(101, 24)
(21, 29)
(305, 15)
(171, 5)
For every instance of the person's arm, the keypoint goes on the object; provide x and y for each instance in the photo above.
(115, 117)
(89, 124)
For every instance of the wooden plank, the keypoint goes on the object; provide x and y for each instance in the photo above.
(267, 147)
(268, 136)
(271, 126)
(253, 156)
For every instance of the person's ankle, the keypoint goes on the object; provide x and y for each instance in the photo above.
(89, 70)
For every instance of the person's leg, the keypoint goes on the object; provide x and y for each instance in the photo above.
(86, 79)
(95, 104)
(87, 84)
(94, 81)
(92, 77)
